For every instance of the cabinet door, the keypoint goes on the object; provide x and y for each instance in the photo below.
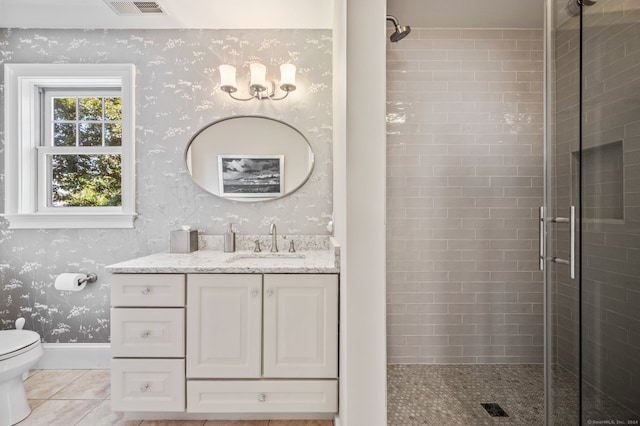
(224, 314)
(300, 326)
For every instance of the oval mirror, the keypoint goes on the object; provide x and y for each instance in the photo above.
(249, 158)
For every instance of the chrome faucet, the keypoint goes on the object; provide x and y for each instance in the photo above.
(274, 237)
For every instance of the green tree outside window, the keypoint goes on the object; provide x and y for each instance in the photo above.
(86, 180)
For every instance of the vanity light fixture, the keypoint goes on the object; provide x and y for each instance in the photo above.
(259, 86)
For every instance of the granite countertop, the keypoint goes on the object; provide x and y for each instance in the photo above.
(320, 261)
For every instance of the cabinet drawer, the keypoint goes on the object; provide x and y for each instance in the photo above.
(147, 385)
(152, 333)
(264, 396)
(147, 290)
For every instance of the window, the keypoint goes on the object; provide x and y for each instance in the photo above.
(80, 156)
(69, 146)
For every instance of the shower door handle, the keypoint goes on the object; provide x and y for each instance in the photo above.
(541, 239)
(571, 220)
(572, 249)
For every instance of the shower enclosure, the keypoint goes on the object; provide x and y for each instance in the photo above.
(591, 217)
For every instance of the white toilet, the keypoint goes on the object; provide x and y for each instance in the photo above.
(19, 351)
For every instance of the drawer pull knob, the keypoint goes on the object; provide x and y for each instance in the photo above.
(144, 387)
(145, 334)
(269, 292)
(262, 397)
(254, 293)
(146, 291)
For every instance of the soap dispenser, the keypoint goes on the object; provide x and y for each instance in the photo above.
(230, 240)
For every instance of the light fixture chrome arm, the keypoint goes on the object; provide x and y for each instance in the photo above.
(262, 95)
(281, 97)
(238, 99)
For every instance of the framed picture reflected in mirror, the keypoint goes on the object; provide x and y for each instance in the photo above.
(249, 176)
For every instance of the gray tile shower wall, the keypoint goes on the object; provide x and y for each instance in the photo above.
(176, 95)
(464, 181)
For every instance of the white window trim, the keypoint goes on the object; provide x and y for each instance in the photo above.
(22, 141)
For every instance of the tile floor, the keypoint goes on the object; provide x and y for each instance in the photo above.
(419, 395)
(82, 398)
(451, 395)
(597, 407)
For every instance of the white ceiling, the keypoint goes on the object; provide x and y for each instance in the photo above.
(239, 14)
(468, 13)
(220, 14)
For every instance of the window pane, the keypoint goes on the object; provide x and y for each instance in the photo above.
(90, 135)
(113, 109)
(113, 134)
(86, 180)
(64, 109)
(64, 134)
(90, 109)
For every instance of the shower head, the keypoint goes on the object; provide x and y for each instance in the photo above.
(400, 32)
(573, 6)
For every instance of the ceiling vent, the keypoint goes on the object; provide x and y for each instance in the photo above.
(135, 7)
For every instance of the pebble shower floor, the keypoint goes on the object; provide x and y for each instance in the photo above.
(452, 395)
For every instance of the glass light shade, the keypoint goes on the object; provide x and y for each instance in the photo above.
(288, 77)
(258, 77)
(228, 78)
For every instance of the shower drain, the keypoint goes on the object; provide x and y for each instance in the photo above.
(494, 409)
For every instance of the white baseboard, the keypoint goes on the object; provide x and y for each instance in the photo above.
(69, 356)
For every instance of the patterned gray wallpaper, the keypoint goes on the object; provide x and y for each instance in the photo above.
(176, 95)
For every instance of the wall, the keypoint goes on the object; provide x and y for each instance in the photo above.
(464, 182)
(361, 206)
(176, 96)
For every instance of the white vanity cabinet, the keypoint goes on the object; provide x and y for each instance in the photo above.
(224, 344)
(266, 328)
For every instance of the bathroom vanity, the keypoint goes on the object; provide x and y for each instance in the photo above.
(212, 335)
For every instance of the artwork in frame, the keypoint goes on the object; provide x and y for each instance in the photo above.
(247, 176)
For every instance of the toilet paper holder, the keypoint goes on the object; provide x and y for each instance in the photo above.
(74, 281)
(91, 278)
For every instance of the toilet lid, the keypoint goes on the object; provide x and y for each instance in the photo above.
(13, 342)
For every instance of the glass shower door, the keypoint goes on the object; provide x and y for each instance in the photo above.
(562, 141)
(609, 161)
(592, 150)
